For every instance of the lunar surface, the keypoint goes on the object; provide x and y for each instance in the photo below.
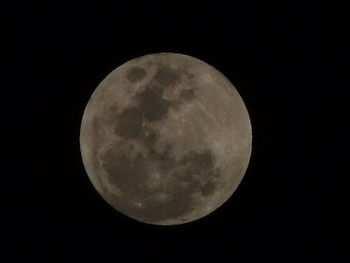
(165, 139)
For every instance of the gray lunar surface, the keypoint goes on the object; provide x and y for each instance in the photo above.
(165, 139)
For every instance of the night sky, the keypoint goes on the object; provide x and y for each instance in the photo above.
(286, 60)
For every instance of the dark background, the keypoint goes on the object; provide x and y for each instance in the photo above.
(287, 60)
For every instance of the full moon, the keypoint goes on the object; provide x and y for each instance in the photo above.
(165, 139)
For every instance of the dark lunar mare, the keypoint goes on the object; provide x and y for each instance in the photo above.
(129, 170)
(136, 74)
(131, 173)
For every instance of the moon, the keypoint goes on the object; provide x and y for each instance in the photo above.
(165, 139)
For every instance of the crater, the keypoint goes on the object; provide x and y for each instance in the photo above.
(136, 74)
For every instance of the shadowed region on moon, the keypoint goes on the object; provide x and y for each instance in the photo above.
(157, 184)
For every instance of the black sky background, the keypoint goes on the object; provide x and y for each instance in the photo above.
(286, 60)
